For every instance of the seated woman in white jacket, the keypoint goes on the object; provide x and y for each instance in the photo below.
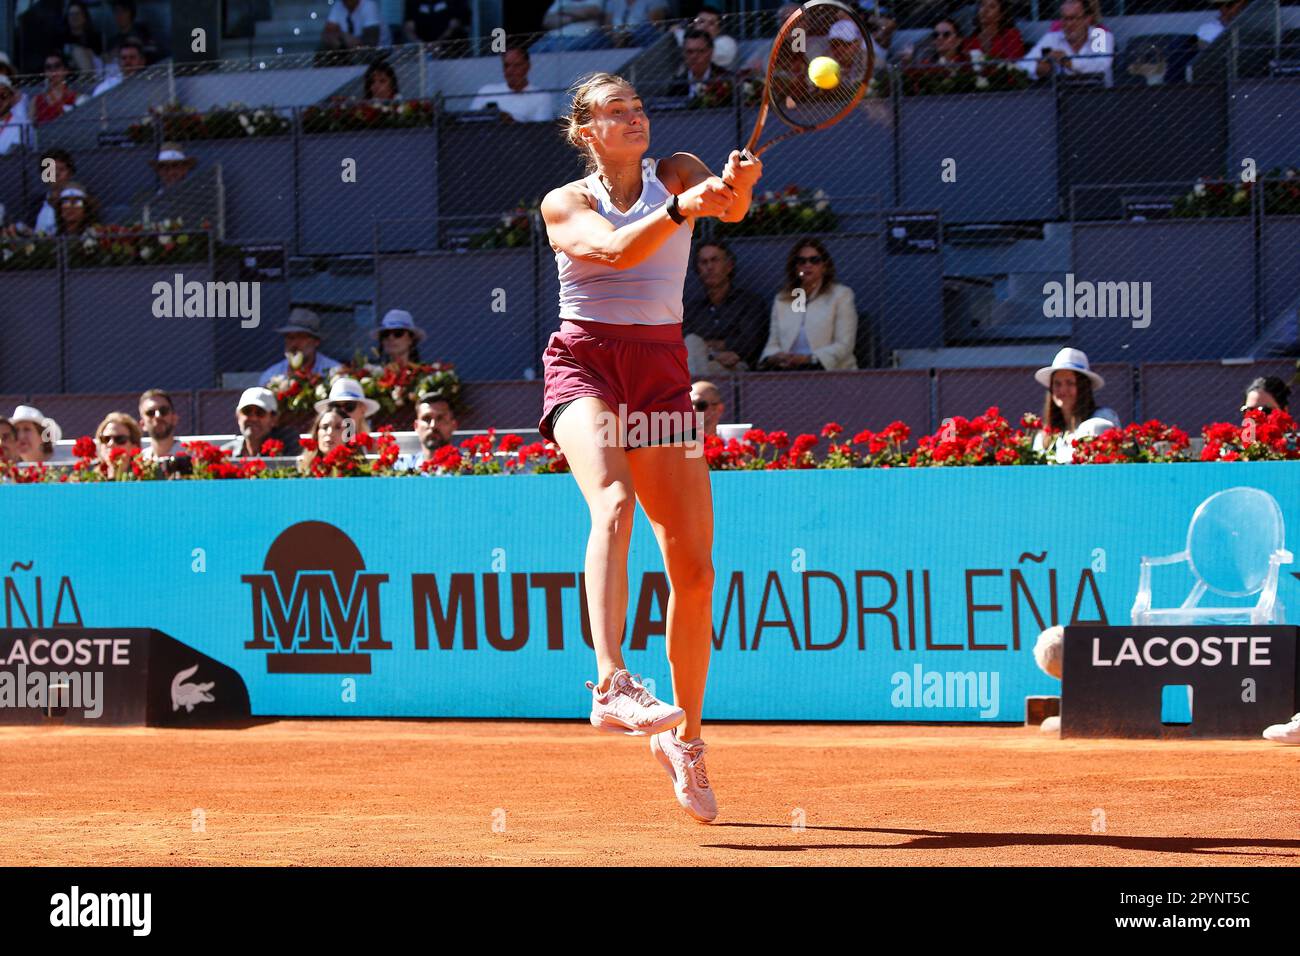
(1070, 407)
(814, 320)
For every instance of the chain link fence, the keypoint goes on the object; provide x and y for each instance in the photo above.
(1141, 205)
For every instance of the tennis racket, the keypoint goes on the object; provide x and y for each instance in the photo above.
(819, 28)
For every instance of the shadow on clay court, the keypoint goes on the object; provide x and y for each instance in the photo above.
(937, 840)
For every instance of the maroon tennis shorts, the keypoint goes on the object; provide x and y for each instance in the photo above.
(632, 368)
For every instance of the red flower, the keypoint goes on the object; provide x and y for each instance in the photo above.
(831, 429)
(84, 447)
(272, 448)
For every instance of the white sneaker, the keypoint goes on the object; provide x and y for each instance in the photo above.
(627, 707)
(1288, 733)
(684, 761)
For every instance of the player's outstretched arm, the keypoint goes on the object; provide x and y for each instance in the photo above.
(739, 173)
(583, 233)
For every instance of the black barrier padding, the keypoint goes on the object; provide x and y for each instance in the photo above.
(145, 678)
(1105, 693)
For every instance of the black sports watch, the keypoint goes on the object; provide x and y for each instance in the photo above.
(674, 212)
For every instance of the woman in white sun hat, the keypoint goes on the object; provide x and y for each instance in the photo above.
(347, 396)
(1070, 406)
(399, 337)
(37, 434)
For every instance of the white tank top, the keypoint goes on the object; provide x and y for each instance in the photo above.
(647, 294)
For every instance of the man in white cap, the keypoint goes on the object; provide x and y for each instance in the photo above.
(258, 415)
(398, 335)
(347, 397)
(37, 434)
(302, 339)
(172, 166)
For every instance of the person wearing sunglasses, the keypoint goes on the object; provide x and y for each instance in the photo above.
(399, 338)
(258, 415)
(1267, 393)
(707, 400)
(943, 48)
(725, 326)
(57, 97)
(1078, 48)
(117, 430)
(158, 420)
(814, 321)
(347, 396)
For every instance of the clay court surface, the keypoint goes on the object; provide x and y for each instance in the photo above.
(314, 792)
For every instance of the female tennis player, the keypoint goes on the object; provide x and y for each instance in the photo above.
(617, 365)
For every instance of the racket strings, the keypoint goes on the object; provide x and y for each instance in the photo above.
(817, 32)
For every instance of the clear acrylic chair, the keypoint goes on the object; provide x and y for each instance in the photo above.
(1235, 546)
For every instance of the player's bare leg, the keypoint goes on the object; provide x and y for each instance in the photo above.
(605, 480)
(675, 492)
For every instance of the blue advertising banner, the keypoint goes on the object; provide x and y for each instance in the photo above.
(883, 595)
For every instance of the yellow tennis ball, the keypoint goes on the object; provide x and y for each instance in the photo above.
(824, 72)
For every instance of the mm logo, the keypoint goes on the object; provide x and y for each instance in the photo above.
(316, 608)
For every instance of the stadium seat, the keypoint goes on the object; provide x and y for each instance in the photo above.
(1176, 50)
(1235, 546)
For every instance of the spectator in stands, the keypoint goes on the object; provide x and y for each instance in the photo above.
(130, 61)
(158, 420)
(117, 430)
(634, 22)
(1268, 393)
(725, 48)
(1094, 14)
(380, 82)
(8, 442)
(435, 422)
(349, 399)
(697, 70)
(130, 28)
(329, 429)
(814, 322)
(302, 342)
(882, 25)
(171, 167)
(14, 130)
(82, 44)
(944, 48)
(517, 99)
(75, 211)
(573, 25)
(399, 337)
(57, 98)
(725, 326)
(708, 401)
(1070, 407)
(1078, 48)
(996, 36)
(352, 24)
(258, 416)
(65, 168)
(435, 21)
(37, 435)
(1210, 30)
